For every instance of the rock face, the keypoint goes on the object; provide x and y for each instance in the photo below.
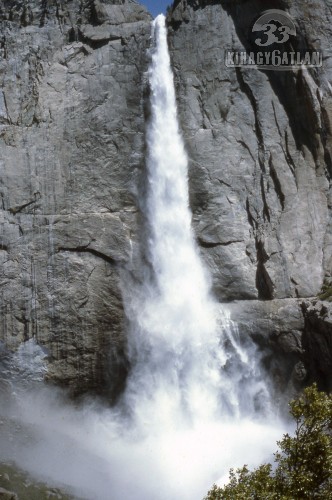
(72, 123)
(72, 142)
(260, 174)
(317, 342)
(260, 150)
(7, 495)
(294, 337)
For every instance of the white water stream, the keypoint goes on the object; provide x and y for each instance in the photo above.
(180, 337)
(196, 399)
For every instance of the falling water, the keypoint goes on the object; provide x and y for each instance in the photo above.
(195, 394)
(173, 344)
(178, 344)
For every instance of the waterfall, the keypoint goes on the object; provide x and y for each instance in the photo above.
(181, 341)
(173, 345)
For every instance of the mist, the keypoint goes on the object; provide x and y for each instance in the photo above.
(94, 453)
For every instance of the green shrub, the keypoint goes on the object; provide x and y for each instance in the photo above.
(303, 466)
(326, 293)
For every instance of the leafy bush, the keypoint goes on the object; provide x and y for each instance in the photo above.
(303, 466)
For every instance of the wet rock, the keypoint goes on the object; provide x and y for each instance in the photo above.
(7, 495)
(277, 328)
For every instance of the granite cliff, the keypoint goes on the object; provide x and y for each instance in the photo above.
(260, 150)
(72, 142)
(72, 121)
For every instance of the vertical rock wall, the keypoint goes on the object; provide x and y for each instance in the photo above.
(260, 175)
(72, 143)
(260, 149)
